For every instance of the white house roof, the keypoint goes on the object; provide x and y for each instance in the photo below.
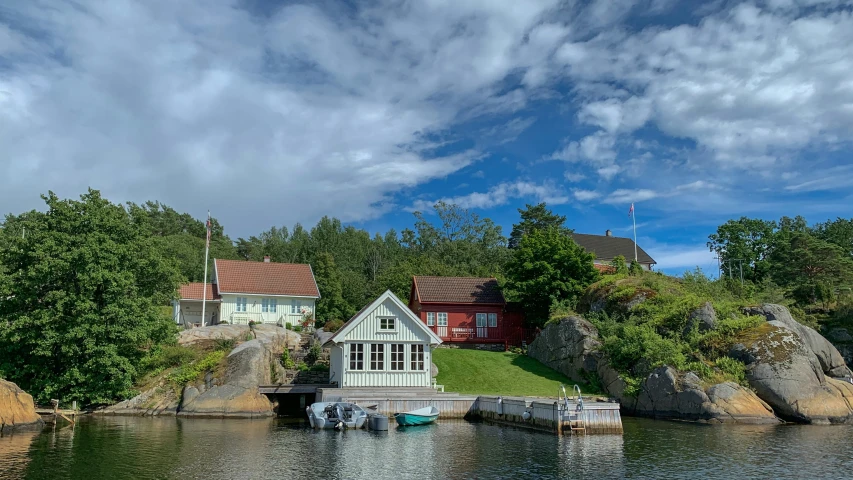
(341, 334)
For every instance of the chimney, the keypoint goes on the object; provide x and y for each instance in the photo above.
(266, 259)
(608, 233)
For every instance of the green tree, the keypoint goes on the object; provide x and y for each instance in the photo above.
(548, 266)
(535, 217)
(746, 240)
(811, 268)
(635, 269)
(619, 265)
(838, 232)
(331, 305)
(81, 300)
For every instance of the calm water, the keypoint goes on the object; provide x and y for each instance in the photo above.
(118, 448)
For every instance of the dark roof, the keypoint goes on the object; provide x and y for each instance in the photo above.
(458, 290)
(266, 278)
(608, 248)
(192, 291)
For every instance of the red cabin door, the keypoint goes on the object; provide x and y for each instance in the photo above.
(482, 329)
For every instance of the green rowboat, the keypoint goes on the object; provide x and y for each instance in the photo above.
(421, 416)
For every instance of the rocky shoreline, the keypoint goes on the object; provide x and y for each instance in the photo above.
(794, 374)
(17, 410)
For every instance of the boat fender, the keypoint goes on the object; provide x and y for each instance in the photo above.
(500, 405)
(340, 426)
(526, 415)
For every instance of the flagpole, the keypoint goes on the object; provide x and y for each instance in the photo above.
(204, 288)
(634, 218)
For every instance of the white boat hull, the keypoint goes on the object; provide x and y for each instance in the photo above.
(336, 415)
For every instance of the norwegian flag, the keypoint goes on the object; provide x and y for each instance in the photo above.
(631, 210)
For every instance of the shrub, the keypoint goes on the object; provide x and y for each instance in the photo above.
(167, 356)
(297, 328)
(286, 361)
(319, 367)
(333, 325)
(224, 344)
(192, 372)
(288, 326)
(619, 265)
(313, 354)
(302, 367)
(636, 269)
(733, 369)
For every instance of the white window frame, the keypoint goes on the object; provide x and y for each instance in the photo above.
(416, 358)
(377, 364)
(240, 304)
(441, 321)
(481, 320)
(356, 357)
(295, 306)
(398, 357)
(493, 320)
(430, 319)
(265, 305)
(273, 305)
(385, 326)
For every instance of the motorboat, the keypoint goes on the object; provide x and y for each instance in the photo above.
(337, 415)
(421, 416)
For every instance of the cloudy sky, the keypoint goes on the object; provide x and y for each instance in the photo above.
(269, 112)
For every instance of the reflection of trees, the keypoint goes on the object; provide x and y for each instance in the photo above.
(14, 452)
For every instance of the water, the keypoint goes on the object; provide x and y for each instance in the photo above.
(131, 447)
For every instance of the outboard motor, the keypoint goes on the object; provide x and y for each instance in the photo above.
(329, 411)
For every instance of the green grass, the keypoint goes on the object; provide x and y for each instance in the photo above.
(497, 373)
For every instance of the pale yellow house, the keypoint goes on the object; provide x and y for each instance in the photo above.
(241, 291)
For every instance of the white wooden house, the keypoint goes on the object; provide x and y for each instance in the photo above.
(240, 291)
(383, 345)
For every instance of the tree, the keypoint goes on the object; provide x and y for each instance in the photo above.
(748, 241)
(811, 268)
(82, 299)
(535, 217)
(548, 266)
(635, 269)
(838, 232)
(619, 265)
(331, 305)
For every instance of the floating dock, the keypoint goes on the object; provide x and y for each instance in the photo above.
(587, 417)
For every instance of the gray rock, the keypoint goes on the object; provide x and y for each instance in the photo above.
(566, 346)
(831, 361)
(703, 319)
(266, 333)
(433, 370)
(784, 372)
(323, 336)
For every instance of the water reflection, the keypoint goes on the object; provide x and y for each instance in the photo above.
(111, 448)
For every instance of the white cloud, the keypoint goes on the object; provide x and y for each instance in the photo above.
(574, 177)
(585, 195)
(674, 257)
(500, 194)
(263, 117)
(627, 196)
(609, 172)
(596, 148)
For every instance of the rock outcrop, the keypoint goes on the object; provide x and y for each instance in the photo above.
(236, 394)
(787, 366)
(263, 332)
(570, 346)
(17, 410)
(702, 319)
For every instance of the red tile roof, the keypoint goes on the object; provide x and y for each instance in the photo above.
(192, 291)
(458, 290)
(266, 278)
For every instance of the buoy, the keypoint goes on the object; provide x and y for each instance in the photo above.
(526, 415)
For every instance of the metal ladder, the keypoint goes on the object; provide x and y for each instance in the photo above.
(577, 424)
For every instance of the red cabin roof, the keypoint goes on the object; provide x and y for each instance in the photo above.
(466, 290)
(266, 278)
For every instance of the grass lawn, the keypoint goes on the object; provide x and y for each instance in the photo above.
(497, 373)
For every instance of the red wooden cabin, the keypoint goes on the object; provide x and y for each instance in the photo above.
(465, 310)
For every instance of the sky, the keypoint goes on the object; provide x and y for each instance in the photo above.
(271, 113)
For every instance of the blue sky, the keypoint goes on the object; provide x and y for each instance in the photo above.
(271, 113)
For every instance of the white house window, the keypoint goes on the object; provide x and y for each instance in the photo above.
(273, 305)
(397, 356)
(377, 356)
(493, 319)
(442, 319)
(265, 305)
(356, 356)
(481, 319)
(295, 306)
(417, 357)
(241, 304)
(387, 323)
(430, 319)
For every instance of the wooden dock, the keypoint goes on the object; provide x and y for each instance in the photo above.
(52, 415)
(553, 416)
(390, 400)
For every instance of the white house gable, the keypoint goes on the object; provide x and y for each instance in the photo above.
(388, 322)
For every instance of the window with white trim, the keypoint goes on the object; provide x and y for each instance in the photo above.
(417, 357)
(397, 356)
(265, 305)
(295, 306)
(387, 324)
(356, 356)
(273, 305)
(481, 319)
(241, 304)
(377, 356)
(430, 319)
(442, 319)
(493, 319)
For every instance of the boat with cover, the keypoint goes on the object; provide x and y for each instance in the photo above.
(336, 415)
(421, 416)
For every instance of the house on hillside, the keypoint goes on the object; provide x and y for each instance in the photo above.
(607, 247)
(240, 291)
(383, 345)
(466, 310)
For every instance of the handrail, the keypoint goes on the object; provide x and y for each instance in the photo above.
(580, 398)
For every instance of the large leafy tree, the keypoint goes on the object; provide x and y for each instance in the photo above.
(745, 242)
(535, 217)
(331, 305)
(548, 266)
(81, 299)
(838, 232)
(812, 269)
